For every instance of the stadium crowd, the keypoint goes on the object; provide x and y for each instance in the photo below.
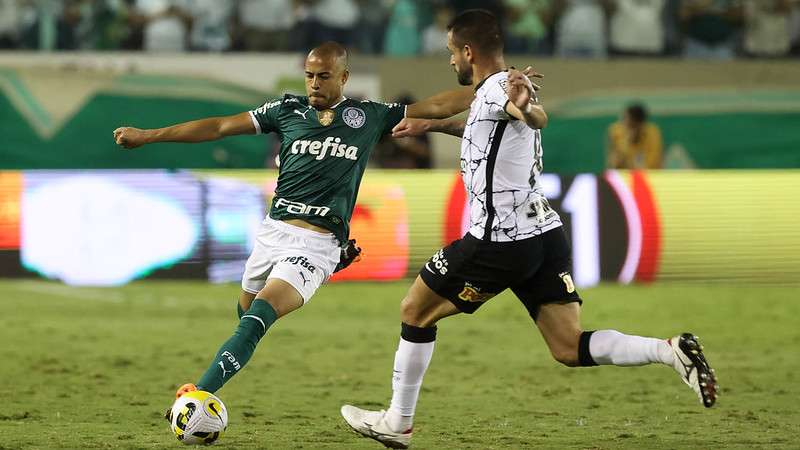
(715, 29)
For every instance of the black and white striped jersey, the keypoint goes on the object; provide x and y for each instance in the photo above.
(501, 160)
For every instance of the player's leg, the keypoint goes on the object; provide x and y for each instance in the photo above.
(456, 279)
(242, 305)
(560, 328)
(277, 299)
(551, 299)
(245, 299)
(419, 311)
(573, 347)
(286, 267)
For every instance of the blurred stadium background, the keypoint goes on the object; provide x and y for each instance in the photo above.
(720, 80)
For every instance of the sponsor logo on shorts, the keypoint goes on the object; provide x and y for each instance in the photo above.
(473, 294)
(438, 263)
(301, 261)
(331, 146)
(567, 279)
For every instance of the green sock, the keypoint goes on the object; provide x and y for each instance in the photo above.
(239, 310)
(237, 350)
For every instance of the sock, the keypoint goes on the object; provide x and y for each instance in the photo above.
(239, 310)
(410, 363)
(612, 347)
(237, 350)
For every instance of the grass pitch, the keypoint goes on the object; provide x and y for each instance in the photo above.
(96, 368)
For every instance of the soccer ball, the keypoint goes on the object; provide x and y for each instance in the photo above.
(198, 417)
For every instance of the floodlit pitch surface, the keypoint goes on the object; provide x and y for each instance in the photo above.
(96, 368)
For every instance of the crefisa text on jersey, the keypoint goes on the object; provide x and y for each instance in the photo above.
(321, 149)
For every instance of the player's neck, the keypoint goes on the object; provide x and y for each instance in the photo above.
(484, 69)
(332, 105)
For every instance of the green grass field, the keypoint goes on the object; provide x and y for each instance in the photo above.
(96, 368)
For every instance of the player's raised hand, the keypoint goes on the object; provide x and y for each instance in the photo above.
(520, 89)
(129, 137)
(532, 74)
(410, 128)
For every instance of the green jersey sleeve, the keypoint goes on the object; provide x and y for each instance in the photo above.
(391, 114)
(265, 117)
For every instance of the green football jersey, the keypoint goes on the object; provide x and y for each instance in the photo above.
(323, 156)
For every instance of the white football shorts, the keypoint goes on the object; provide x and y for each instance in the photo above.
(303, 258)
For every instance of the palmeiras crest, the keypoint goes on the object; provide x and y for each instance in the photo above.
(354, 117)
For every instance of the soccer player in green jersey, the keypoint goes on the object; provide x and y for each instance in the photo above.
(326, 140)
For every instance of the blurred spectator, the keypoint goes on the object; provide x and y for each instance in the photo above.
(673, 36)
(581, 28)
(711, 27)
(10, 20)
(794, 27)
(264, 25)
(372, 26)
(109, 24)
(405, 153)
(637, 27)
(402, 32)
(165, 24)
(303, 35)
(527, 29)
(210, 22)
(30, 25)
(633, 142)
(434, 38)
(496, 7)
(69, 18)
(567, 28)
(767, 25)
(336, 21)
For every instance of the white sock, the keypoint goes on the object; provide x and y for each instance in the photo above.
(410, 363)
(613, 347)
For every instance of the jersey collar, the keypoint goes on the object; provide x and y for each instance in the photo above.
(338, 103)
(489, 76)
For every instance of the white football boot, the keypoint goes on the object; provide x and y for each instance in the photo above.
(372, 424)
(691, 365)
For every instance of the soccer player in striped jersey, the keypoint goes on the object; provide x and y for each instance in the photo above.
(515, 241)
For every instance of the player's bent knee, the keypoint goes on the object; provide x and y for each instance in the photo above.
(566, 356)
(411, 312)
(282, 296)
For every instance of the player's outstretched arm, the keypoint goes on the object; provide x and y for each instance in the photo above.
(201, 130)
(449, 103)
(417, 127)
(522, 104)
(442, 105)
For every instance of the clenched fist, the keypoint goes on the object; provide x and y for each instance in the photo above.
(129, 137)
(520, 89)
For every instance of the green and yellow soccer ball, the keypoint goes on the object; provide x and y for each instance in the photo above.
(198, 417)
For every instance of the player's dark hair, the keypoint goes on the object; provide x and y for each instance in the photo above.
(637, 112)
(477, 28)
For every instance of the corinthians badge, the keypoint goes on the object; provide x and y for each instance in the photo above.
(326, 117)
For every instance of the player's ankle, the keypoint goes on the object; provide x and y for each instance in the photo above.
(398, 422)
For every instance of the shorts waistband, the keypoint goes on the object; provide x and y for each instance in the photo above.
(293, 229)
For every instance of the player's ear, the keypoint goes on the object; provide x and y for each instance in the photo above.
(345, 76)
(468, 54)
